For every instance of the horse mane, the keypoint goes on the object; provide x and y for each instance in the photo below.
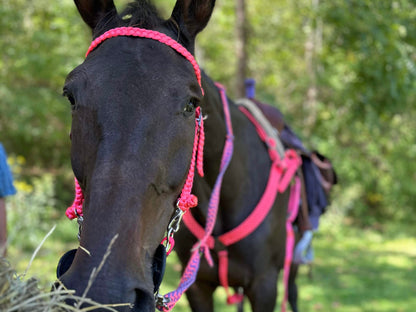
(139, 13)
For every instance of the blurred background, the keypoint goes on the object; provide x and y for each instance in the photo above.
(343, 72)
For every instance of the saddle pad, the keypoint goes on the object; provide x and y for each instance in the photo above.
(264, 122)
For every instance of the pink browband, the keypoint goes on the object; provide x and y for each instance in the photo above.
(149, 34)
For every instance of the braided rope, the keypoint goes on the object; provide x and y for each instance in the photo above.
(200, 156)
(75, 209)
(186, 199)
(293, 208)
(188, 278)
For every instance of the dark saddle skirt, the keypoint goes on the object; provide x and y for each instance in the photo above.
(317, 174)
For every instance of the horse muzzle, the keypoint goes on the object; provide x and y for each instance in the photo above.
(122, 293)
(131, 299)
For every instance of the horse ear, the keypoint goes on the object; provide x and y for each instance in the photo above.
(92, 11)
(193, 14)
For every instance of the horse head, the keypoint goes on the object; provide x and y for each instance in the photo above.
(133, 103)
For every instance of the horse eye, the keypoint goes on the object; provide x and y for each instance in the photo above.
(190, 107)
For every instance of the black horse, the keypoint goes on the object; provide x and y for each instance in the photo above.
(133, 106)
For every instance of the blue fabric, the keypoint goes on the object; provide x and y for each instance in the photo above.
(315, 193)
(291, 139)
(6, 178)
(303, 253)
(250, 88)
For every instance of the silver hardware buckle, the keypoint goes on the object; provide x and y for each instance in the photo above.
(161, 301)
(173, 226)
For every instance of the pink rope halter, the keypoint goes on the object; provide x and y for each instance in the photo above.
(186, 199)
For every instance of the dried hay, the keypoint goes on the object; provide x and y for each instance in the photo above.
(18, 294)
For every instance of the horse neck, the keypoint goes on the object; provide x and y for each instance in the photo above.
(213, 111)
(236, 194)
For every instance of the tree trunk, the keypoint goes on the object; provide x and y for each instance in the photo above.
(312, 45)
(241, 47)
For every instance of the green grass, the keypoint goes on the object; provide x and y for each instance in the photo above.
(355, 270)
(360, 270)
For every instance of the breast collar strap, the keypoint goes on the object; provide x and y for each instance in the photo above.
(282, 171)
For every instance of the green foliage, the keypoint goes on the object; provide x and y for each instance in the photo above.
(367, 82)
(31, 214)
(42, 43)
(31, 209)
(375, 42)
(214, 43)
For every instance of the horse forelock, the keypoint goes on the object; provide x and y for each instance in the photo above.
(139, 13)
